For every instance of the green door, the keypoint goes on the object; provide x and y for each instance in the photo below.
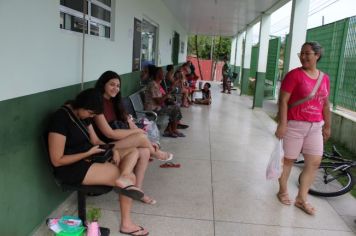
(175, 48)
(272, 72)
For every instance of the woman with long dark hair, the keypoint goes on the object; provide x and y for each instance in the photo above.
(71, 143)
(129, 135)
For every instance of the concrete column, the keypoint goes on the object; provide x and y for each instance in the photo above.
(233, 52)
(238, 63)
(262, 60)
(246, 60)
(297, 33)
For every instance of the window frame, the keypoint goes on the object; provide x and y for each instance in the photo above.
(89, 19)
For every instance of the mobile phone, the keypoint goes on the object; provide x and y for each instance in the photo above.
(106, 146)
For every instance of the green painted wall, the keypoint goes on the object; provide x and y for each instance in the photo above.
(245, 81)
(259, 90)
(28, 193)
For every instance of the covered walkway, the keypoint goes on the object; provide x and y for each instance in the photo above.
(220, 188)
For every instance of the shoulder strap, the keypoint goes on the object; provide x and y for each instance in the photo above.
(77, 122)
(312, 94)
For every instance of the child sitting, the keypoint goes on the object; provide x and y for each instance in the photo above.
(206, 95)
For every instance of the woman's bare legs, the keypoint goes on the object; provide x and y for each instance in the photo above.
(283, 181)
(108, 174)
(141, 166)
(140, 169)
(311, 164)
(127, 224)
(140, 140)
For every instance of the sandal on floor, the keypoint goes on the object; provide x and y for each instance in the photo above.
(306, 207)
(179, 134)
(149, 201)
(284, 198)
(132, 191)
(170, 165)
(134, 233)
(170, 135)
(182, 126)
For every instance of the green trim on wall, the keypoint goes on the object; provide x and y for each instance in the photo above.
(259, 90)
(28, 192)
(244, 81)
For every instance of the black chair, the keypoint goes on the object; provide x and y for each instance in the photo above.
(134, 106)
(82, 191)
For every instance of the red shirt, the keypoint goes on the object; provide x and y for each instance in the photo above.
(108, 111)
(300, 85)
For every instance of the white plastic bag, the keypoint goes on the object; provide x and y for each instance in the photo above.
(275, 164)
(152, 130)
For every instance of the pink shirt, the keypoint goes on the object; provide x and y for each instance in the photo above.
(300, 85)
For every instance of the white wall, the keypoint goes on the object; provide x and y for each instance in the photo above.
(36, 56)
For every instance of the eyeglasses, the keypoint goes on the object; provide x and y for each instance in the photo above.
(307, 54)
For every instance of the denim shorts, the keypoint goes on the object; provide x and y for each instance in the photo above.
(303, 137)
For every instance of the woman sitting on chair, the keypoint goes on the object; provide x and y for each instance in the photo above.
(115, 125)
(71, 143)
(157, 100)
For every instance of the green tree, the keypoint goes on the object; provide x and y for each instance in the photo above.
(222, 46)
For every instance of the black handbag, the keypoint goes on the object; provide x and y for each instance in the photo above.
(118, 124)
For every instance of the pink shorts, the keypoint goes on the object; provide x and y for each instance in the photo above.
(303, 137)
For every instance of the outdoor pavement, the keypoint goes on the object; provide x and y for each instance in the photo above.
(220, 188)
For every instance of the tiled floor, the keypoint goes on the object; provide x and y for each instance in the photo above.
(220, 189)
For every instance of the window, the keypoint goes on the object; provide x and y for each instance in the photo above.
(148, 43)
(97, 16)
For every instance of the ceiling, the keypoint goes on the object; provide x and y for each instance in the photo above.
(220, 17)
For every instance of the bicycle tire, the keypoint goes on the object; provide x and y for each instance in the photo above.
(331, 188)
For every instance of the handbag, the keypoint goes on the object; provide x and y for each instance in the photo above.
(312, 94)
(118, 124)
(98, 157)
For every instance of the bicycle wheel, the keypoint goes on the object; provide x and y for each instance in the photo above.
(328, 179)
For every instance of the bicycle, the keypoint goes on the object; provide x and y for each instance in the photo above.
(332, 169)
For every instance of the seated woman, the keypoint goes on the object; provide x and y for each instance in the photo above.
(182, 86)
(128, 135)
(71, 143)
(157, 100)
(206, 95)
(168, 81)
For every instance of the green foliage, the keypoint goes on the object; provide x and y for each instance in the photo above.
(222, 46)
(93, 214)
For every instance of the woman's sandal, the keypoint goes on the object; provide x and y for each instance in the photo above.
(306, 207)
(135, 232)
(147, 200)
(170, 165)
(284, 198)
(169, 135)
(166, 156)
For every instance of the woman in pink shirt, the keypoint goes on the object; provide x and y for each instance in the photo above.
(303, 127)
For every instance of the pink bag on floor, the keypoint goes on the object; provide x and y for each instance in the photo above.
(275, 164)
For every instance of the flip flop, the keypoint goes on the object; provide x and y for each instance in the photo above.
(284, 198)
(169, 135)
(151, 201)
(170, 165)
(169, 157)
(179, 134)
(132, 193)
(133, 233)
(306, 207)
(182, 126)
